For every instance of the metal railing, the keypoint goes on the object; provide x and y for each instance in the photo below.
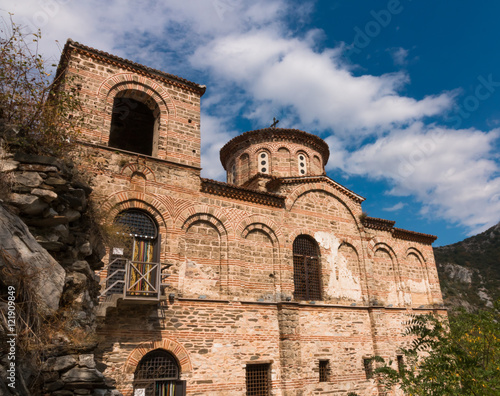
(142, 280)
(136, 280)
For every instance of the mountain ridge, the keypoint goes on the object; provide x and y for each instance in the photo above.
(469, 271)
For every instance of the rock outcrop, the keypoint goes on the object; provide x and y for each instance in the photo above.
(469, 271)
(47, 245)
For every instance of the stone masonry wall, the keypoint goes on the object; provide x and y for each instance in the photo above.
(177, 134)
(230, 298)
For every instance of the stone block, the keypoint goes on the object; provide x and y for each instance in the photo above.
(82, 374)
(28, 204)
(83, 267)
(46, 195)
(87, 360)
(28, 179)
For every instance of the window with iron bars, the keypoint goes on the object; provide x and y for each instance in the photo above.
(368, 366)
(324, 370)
(157, 374)
(306, 269)
(401, 363)
(258, 379)
(141, 252)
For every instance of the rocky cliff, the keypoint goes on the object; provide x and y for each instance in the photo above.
(48, 254)
(469, 271)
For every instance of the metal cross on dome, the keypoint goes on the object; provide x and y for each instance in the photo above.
(275, 122)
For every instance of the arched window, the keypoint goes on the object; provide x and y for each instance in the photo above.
(132, 126)
(306, 269)
(263, 162)
(232, 174)
(157, 374)
(302, 161)
(139, 246)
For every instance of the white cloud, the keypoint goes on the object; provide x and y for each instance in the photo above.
(454, 173)
(399, 56)
(319, 89)
(214, 135)
(396, 207)
(255, 66)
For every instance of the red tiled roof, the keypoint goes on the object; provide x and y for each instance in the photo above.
(275, 134)
(413, 236)
(241, 193)
(128, 64)
(314, 179)
(388, 225)
(378, 224)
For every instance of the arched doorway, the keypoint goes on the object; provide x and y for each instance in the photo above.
(157, 374)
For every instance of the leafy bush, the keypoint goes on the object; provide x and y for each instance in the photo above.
(459, 358)
(40, 109)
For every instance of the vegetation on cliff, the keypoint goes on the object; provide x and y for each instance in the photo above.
(456, 358)
(31, 99)
(469, 271)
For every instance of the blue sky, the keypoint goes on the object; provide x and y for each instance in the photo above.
(406, 93)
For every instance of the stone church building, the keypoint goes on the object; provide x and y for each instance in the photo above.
(271, 283)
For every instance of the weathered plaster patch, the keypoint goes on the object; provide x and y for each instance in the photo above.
(342, 283)
(417, 287)
(202, 279)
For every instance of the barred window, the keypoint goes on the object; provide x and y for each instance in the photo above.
(258, 379)
(368, 366)
(141, 248)
(137, 223)
(306, 269)
(401, 363)
(324, 370)
(158, 374)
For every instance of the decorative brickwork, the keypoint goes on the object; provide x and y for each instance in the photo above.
(234, 292)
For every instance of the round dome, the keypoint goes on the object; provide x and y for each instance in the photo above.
(275, 152)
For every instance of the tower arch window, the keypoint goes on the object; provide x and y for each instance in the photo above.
(306, 269)
(157, 374)
(302, 163)
(263, 162)
(133, 125)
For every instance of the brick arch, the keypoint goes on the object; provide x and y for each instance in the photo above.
(306, 188)
(215, 216)
(172, 346)
(297, 232)
(344, 242)
(378, 243)
(357, 247)
(122, 200)
(127, 81)
(253, 149)
(133, 168)
(417, 253)
(300, 150)
(260, 227)
(260, 222)
(355, 243)
(282, 146)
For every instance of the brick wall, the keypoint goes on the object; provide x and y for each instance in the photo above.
(229, 251)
